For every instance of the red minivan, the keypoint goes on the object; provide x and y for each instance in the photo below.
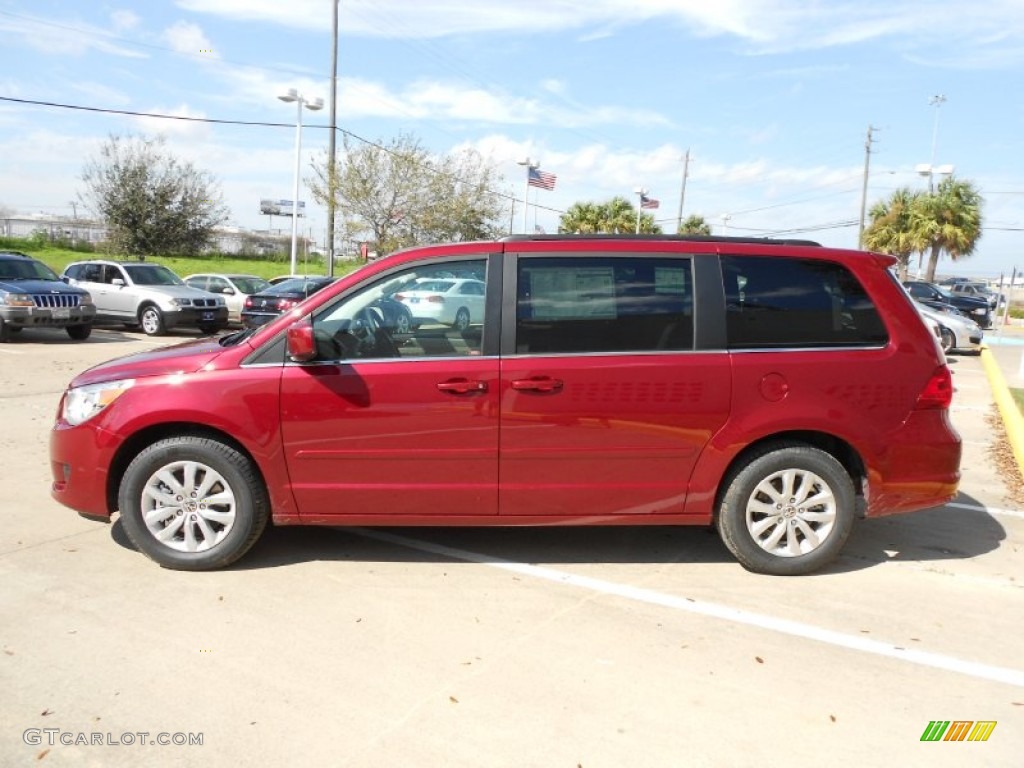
(776, 389)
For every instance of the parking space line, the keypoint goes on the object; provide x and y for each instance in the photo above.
(990, 510)
(714, 610)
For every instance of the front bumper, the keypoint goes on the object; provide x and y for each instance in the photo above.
(53, 317)
(196, 316)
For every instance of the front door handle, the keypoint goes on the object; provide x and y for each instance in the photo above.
(537, 384)
(462, 386)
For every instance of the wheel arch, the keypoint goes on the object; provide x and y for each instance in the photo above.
(841, 450)
(142, 439)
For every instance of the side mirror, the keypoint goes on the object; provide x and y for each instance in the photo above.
(228, 291)
(300, 343)
(118, 282)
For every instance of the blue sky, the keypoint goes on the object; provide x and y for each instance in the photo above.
(773, 99)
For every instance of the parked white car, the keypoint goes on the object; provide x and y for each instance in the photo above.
(458, 302)
(234, 288)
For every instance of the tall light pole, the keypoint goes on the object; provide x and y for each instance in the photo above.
(331, 152)
(682, 192)
(300, 101)
(930, 169)
(531, 165)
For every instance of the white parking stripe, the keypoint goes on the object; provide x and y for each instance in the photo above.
(992, 510)
(714, 610)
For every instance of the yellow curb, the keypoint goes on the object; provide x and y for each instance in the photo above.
(1013, 421)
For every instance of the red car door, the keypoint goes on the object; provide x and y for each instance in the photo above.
(605, 407)
(406, 425)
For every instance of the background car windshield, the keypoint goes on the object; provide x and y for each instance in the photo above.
(433, 285)
(27, 269)
(296, 285)
(151, 274)
(250, 284)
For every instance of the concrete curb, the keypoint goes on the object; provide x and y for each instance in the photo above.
(1013, 421)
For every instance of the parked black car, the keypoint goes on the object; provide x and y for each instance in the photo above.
(32, 296)
(264, 306)
(976, 309)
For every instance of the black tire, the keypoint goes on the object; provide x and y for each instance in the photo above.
(403, 323)
(462, 319)
(948, 339)
(79, 332)
(220, 532)
(748, 530)
(152, 320)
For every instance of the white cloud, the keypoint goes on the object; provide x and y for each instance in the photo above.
(764, 26)
(55, 39)
(189, 39)
(190, 128)
(123, 20)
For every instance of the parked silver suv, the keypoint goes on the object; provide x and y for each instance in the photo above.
(139, 293)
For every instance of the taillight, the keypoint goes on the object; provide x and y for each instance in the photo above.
(435, 299)
(248, 302)
(938, 392)
(285, 304)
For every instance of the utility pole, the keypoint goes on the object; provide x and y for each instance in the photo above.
(864, 191)
(331, 177)
(682, 191)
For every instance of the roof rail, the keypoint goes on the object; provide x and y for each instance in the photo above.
(671, 238)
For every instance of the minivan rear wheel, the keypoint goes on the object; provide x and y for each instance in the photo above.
(787, 510)
(193, 503)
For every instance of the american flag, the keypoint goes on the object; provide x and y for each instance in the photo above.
(648, 202)
(542, 179)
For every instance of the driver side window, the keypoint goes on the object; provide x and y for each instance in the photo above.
(430, 310)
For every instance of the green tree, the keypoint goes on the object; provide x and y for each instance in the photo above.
(151, 202)
(694, 225)
(398, 195)
(617, 216)
(890, 228)
(948, 221)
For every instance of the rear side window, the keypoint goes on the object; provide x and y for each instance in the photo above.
(603, 304)
(790, 302)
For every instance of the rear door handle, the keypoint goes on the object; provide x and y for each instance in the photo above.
(462, 386)
(537, 384)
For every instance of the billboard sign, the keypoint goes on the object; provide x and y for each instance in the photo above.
(280, 207)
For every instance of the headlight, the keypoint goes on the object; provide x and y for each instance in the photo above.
(85, 300)
(181, 302)
(17, 300)
(82, 403)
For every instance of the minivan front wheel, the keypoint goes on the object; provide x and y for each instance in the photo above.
(193, 503)
(787, 511)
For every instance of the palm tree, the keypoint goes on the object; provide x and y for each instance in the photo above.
(582, 219)
(949, 220)
(890, 230)
(695, 225)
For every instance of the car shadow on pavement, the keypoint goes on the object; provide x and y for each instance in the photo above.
(942, 533)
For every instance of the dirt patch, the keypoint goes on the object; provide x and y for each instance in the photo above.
(1002, 456)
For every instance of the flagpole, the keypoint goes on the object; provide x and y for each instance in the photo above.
(640, 192)
(530, 166)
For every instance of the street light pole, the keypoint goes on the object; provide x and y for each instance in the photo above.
(300, 101)
(331, 151)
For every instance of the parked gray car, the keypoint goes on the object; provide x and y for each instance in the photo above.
(149, 295)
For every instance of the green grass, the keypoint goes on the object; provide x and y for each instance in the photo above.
(57, 258)
(1018, 398)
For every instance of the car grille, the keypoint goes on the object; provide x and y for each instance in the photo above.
(56, 299)
(204, 302)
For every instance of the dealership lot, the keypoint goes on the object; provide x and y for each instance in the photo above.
(524, 647)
